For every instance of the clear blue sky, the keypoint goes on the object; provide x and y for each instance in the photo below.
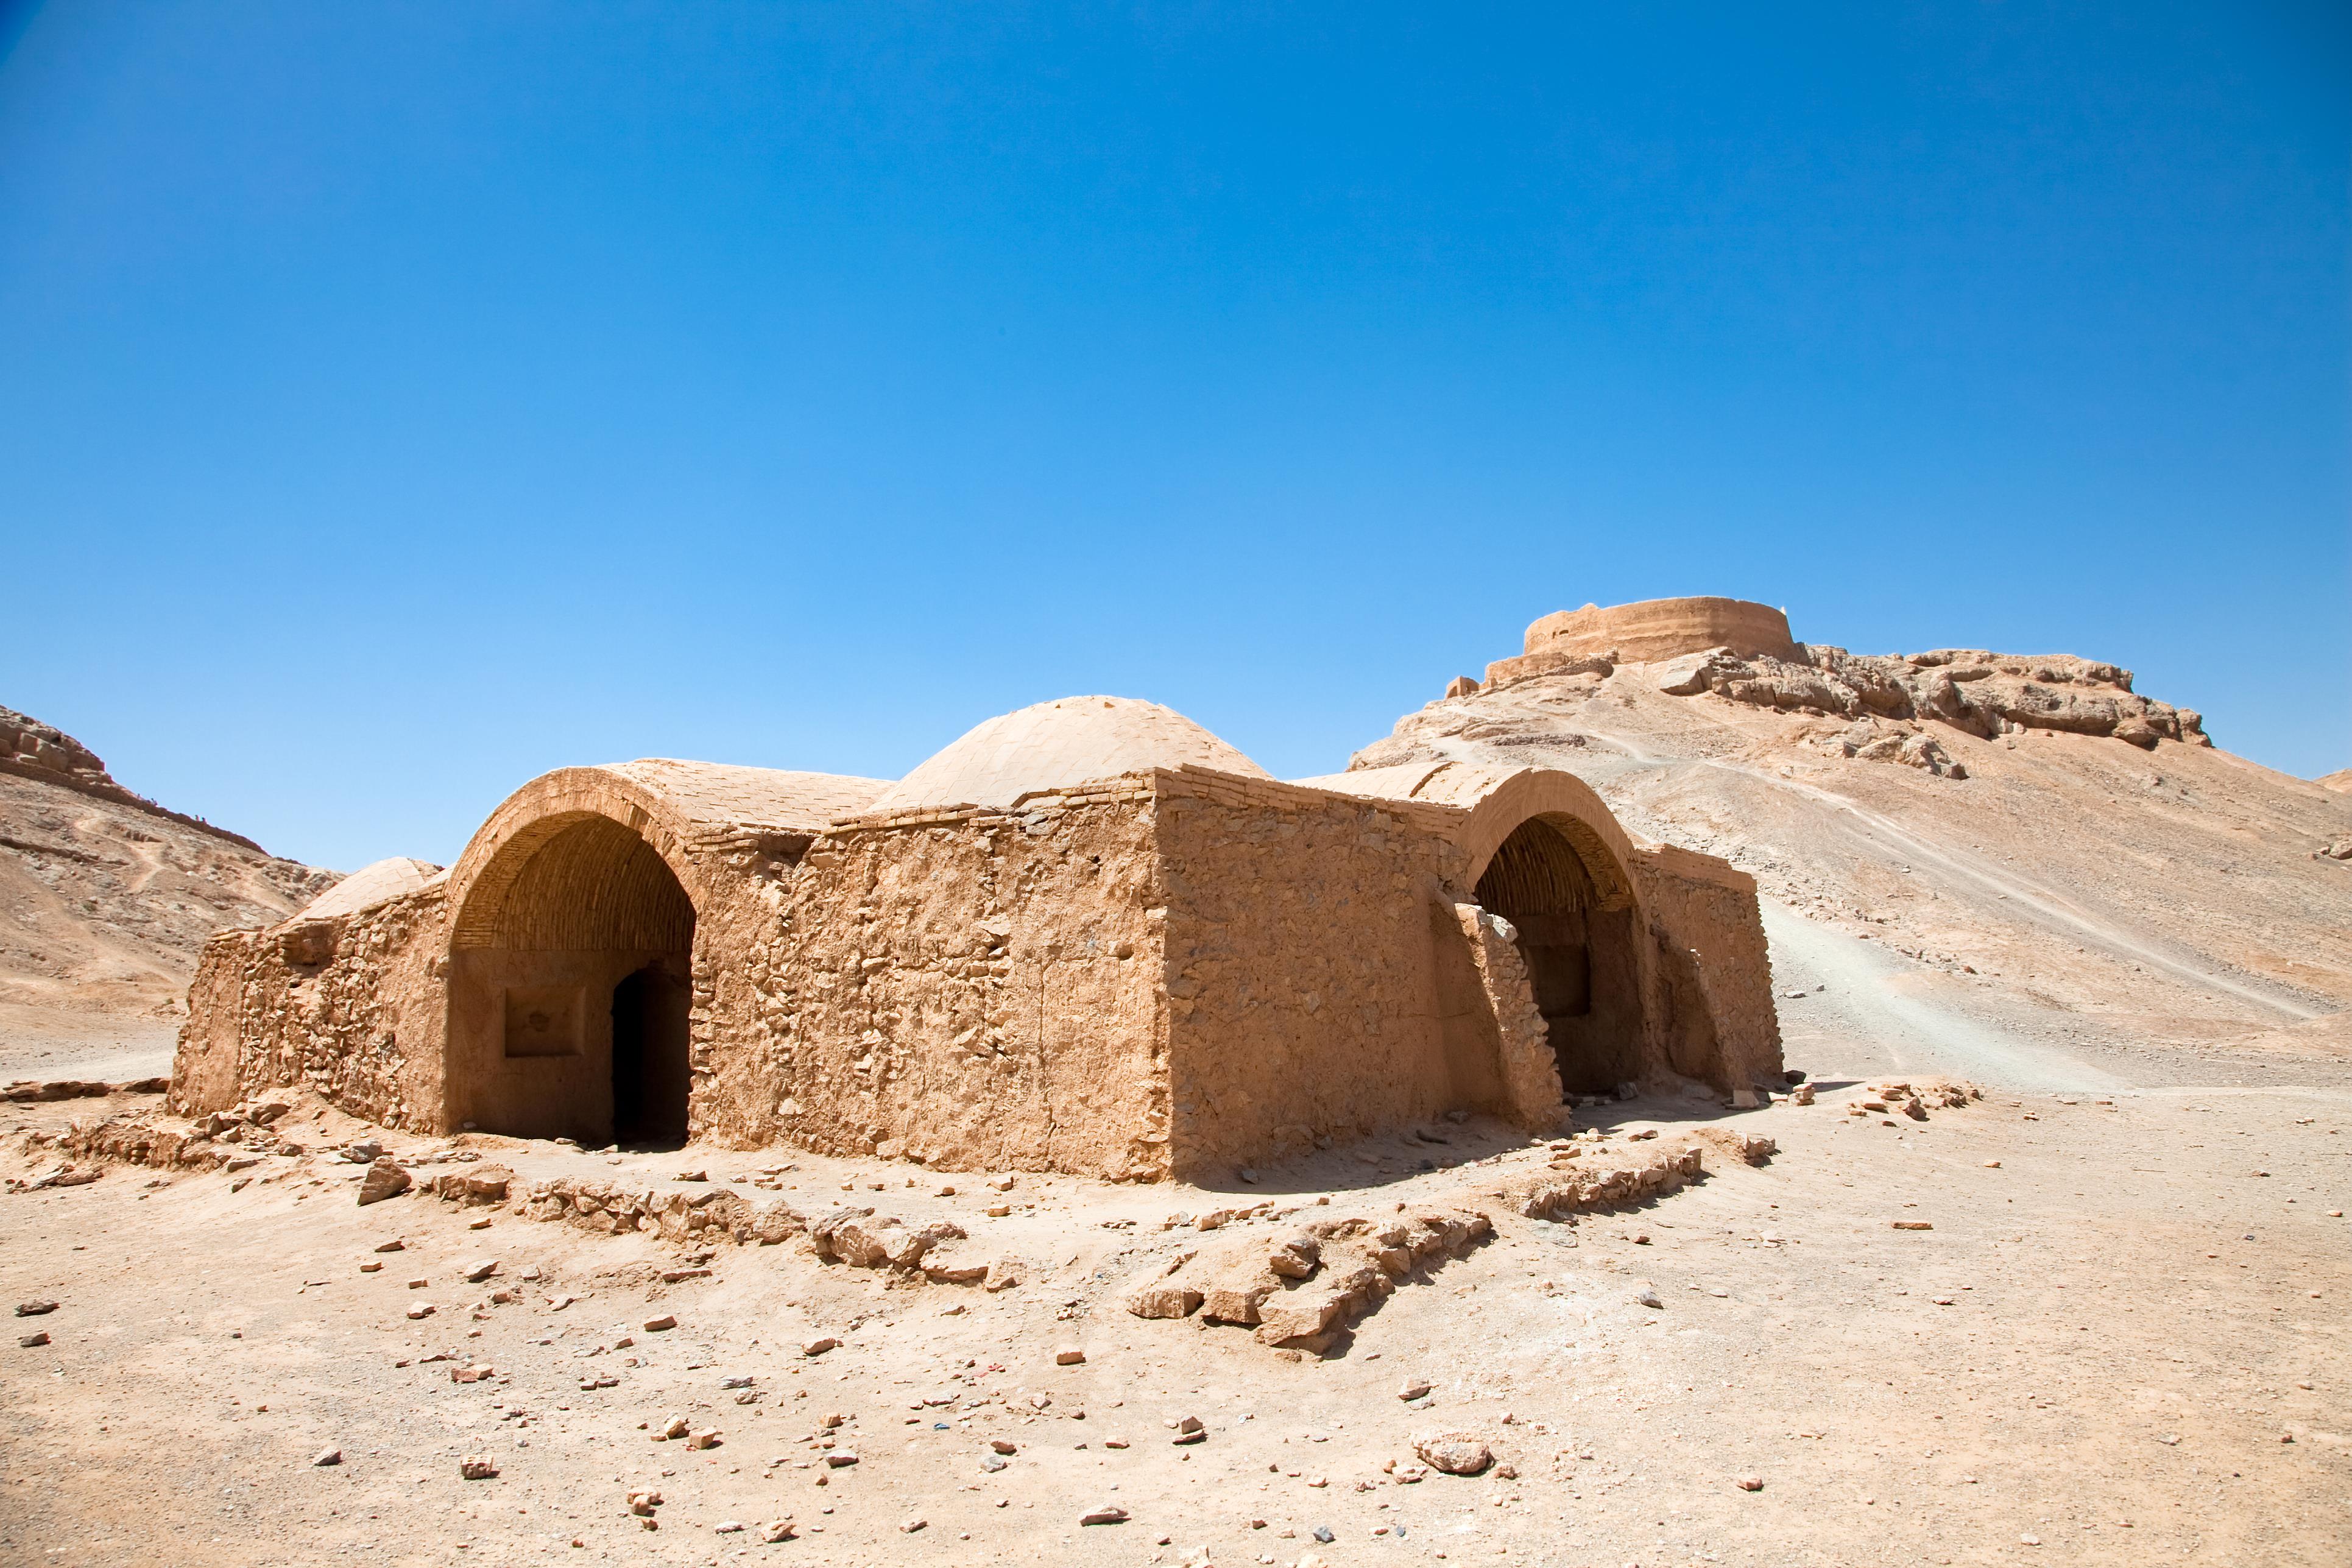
(398, 401)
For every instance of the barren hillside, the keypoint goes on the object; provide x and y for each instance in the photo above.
(105, 898)
(1986, 870)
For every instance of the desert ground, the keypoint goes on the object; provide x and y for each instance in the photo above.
(2122, 1337)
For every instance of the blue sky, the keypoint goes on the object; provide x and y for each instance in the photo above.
(398, 401)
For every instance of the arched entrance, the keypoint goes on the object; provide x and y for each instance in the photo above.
(571, 976)
(1579, 951)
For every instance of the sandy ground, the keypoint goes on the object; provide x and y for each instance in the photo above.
(2128, 1343)
(51, 1043)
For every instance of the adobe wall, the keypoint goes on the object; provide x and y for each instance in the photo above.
(1646, 632)
(352, 1007)
(1712, 1013)
(1321, 984)
(978, 989)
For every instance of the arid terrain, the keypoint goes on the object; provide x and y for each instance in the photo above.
(105, 898)
(2097, 1314)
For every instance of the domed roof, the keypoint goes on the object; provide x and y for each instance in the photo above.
(1069, 740)
(369, 886)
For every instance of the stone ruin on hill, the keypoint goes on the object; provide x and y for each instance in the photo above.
(1744, 653)
(1090, 936)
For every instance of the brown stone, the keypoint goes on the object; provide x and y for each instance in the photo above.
(1454, 1453)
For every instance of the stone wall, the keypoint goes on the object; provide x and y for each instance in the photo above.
(353, 1007)
(1713, 1016)
(975, 989)
(1651, 630)
(1303, 976)
(1173, 972)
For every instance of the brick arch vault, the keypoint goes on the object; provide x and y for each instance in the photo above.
(571, 965)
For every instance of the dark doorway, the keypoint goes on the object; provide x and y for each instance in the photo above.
(650, 1059)
(1580, 955)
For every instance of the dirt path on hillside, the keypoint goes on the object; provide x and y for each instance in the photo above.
(1960, 867)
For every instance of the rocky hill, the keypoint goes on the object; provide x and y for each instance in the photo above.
(1997, 847)
(105, 898)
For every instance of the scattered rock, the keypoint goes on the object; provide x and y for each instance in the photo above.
(1164, 1302)
(1751, 1483)
(1454, 1453)
(385, 1180)
(1647, 1297)
(34, 1308)
(661, 1324)
(31, 1342)
(476, 1468)
(328, 1457)
(817, 1346)
(1414, 1389)
(480, 1269)
(1069, 1355)
(1109, 1514)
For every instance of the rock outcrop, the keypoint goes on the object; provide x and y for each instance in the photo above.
(30, 749)
(1982, 692)
(1743, 652)
(106, 897)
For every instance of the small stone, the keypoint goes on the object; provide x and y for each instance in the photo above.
(1751, 1483)
(384, 1180)
(728, 1527)
(819, 1346)
(34, 1308)
(675, 1427)
(1454, 1453)
(394, 1245)
(476, 1467)
(1108, 1514)
(1915, 1225)
(1004, 1445)
(908, 1527)
(1414, 1389)
(1069, 1355)
(775, 1530)
(328, 1457)
(29, 1341)
(840, 1458)
(480, 1269)
(659, 1325)
(1646, 1297)
(707, 1438)
(1322, 1533)
(1992, 1164)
